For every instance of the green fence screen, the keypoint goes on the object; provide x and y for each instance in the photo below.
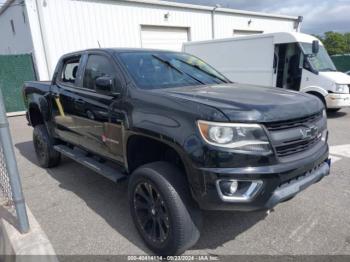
(14, 70)
(341, 62)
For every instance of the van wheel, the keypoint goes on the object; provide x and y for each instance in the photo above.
(43, 144)
(162, 208)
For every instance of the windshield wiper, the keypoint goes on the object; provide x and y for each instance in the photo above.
(202, 70)
(175, 68)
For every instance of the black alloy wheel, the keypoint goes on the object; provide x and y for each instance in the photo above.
(162, 208)
(152, 214)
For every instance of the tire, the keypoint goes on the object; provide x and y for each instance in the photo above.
(173, 217)
(333, 110)
(43, 144)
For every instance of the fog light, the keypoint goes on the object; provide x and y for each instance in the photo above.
(238, 190)
(233, 187)
(229, 187)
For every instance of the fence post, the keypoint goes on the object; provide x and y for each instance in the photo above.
(12, 170)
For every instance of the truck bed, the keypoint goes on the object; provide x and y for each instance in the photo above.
(38, 87)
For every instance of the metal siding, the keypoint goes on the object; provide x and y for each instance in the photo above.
(82, 24)
(20, 42)
(74, 25)
(226, 23)
(240, 32)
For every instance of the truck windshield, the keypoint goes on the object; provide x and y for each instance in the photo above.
(320, 61)
(153, 70)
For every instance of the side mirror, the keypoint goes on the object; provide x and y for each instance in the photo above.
(315, 46)
(104, 85)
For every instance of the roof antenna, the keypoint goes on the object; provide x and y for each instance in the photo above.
(99, 45)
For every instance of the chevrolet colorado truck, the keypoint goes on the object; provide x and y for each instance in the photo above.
(186, 138)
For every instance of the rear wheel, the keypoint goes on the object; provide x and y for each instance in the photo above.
(43, 144)
(162, 209)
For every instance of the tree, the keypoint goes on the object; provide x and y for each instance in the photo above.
(318, 37)
(336, 43)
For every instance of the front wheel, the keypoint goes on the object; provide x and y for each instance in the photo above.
(162, 209)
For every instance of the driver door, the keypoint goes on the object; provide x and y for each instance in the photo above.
(99, 120)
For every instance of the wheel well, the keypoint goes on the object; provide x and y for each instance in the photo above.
(142, 150)
(35, 116)
(320, 96)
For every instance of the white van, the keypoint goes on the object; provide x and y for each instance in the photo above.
(287, 60)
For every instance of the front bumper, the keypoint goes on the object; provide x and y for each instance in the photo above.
(290, 189)
(280, 182)
(334, 100)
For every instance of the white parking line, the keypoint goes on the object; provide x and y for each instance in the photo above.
(339, 152)
(335, 158)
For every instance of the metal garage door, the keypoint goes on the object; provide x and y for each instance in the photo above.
(161, 37)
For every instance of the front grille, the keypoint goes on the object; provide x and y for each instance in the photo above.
(293, 123)
(288, 138)
(296, 146)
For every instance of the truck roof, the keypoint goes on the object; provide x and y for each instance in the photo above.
(117, 50)
(279, 37)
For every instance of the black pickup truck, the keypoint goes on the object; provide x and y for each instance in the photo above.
(186, 137)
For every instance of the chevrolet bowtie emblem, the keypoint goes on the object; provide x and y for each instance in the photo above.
(309, 132)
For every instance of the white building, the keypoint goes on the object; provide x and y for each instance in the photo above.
(50, 28)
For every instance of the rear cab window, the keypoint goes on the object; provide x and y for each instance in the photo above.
(69, 71)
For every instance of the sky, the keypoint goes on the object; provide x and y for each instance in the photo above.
(319, 15)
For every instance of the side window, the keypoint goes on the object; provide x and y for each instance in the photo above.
(96, 67)
(69, 70)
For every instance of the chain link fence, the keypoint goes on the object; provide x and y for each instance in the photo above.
(6, 199)
(12, 206)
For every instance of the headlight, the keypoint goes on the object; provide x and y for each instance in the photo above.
(342, 89)
(245, 137)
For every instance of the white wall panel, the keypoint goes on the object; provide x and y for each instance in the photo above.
(71, 25)
(20, 42)
(226, 23)
(61, 26)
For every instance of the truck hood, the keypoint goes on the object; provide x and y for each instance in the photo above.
(246, 103)
(336, 77)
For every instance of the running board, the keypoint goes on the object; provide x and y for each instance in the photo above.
(91, 163)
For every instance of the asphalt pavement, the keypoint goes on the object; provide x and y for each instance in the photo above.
(84, 213)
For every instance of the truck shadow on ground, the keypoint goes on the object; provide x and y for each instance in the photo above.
(331, 115)
(110, 201)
